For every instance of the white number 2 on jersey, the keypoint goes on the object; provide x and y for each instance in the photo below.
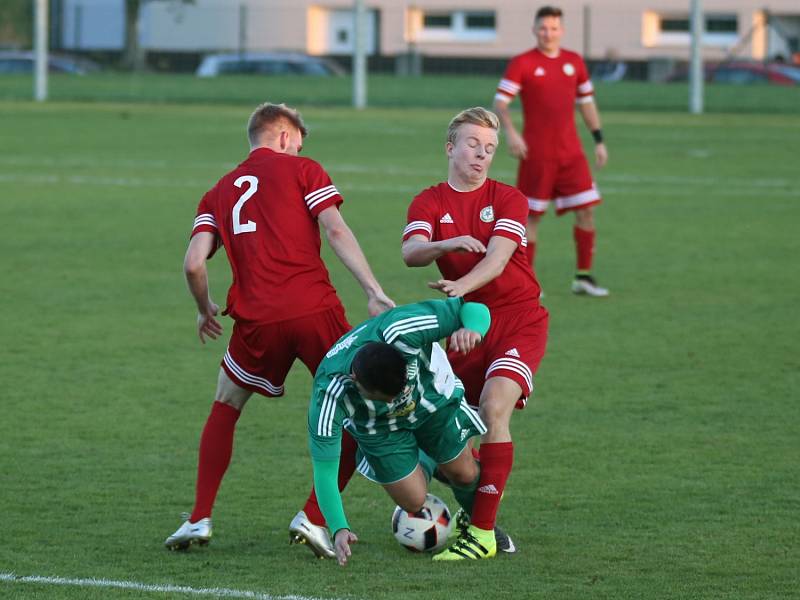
(250, 225)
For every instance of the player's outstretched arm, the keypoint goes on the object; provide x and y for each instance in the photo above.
(498, 254)
(194, 268)
(346, 247)
(418, 251)
(330, 503)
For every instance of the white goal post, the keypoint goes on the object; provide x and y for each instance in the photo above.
(40, 49)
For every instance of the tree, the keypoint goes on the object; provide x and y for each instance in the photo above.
(16, 23)
(134, 56)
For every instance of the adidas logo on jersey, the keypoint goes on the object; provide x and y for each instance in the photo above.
(513, 352)
(446, 219)
(488, 489)
(539, 72)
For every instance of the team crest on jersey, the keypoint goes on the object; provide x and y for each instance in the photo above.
(569, 69)
(487, 214)
(403, 405)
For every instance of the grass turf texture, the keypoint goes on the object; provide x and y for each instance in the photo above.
(383, 91)
(658, 460)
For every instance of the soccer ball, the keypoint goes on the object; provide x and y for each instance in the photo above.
(423, 531)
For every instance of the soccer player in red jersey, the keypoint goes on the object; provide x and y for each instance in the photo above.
(550, 80)
(474, 228)
(266, 213)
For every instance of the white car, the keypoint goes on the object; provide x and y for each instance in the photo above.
(268, 63)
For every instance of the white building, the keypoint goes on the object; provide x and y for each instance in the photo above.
(631, 29)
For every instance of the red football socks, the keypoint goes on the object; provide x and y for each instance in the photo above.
(347, 465)
(216, 449)
(496, 462)
(584, 248)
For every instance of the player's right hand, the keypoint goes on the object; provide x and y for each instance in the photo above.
(341, 542)
(379, 303)
(464, 340)
(463, 243)
(516, 145)
(207, 325)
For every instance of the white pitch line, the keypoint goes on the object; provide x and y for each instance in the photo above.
(145, 587)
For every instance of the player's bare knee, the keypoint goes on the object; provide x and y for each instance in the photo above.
(493, 411)
(463, 477)
(413, 503)
(230, 393)
(584, 218)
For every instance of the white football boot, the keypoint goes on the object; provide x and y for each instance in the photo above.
(190, 533)
(585, 284)
(303, 531)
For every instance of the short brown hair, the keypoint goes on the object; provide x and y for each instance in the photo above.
(267, 115)
(473, 116)
(548, 11)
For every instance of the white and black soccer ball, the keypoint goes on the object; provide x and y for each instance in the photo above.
(423, 531)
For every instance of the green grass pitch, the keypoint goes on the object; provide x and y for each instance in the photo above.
(659, 458)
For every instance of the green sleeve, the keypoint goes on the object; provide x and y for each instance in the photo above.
(421, 324)
(475, 316)
(326, 475)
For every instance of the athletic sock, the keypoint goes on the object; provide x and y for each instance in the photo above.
(216, 449)
(465, 495)
(347, 465)
(496, 461)
(584, 248)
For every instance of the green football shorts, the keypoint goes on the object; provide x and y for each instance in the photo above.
(389, 456)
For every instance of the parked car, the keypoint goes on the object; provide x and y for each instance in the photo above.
(271, 63)
(741, 72)
(23, 62)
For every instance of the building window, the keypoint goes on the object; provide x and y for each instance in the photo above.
(476, 20)
(438, 21)
(721, 30)
(458, 26)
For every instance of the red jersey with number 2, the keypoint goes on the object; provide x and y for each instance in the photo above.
(264, 213)
(441, 212)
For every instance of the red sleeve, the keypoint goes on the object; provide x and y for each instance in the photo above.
(420, 221)
(511, 214)
(585, 91)
(319, 192)
(206, 221)
(511, 82)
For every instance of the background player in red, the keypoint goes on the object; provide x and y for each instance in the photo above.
(474, 228)
(266, 214)
(552, 167)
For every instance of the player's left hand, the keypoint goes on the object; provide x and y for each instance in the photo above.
(451, 289)
(379, 303)
(341, 542)
(600, 155)
(464, 340)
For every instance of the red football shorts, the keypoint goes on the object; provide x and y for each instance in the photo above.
(513, 348)
(567, 182)
(259, 356)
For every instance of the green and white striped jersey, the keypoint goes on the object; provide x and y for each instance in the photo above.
(413, 329)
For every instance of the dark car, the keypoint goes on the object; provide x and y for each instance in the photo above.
(741, 72)
(23, 62)
(268, 63)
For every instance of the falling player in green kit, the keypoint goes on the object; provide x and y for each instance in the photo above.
(389, 384)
